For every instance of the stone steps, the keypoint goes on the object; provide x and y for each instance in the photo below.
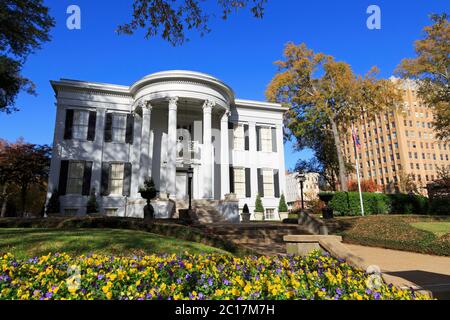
(261, 238)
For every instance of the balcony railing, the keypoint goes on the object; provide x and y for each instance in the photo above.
(189, 152)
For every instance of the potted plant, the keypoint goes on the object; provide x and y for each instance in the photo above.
(245, 214)
(283, 209)
(327, 211)
(92, 206)
(259, 209)
(148, 192)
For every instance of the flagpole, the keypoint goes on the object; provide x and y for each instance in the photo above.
(357, 171)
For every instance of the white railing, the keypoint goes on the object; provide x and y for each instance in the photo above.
(189, 152)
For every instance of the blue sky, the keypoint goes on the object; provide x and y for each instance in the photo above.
(240, 51)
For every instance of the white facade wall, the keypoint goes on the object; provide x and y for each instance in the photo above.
(311, 188)
(149, 152)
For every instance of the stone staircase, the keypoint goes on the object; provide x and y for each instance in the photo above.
(261, 238)
(204, 211)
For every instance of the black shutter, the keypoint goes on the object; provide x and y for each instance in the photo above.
(130, 129)
(247, 138)
(231, 179)
(274, 139)
(258, 139)
(92, 124)
(231, 135)
(105, 178)
(276, 183)
(260, 183)
(248, 183)
(68, 125)
(108, 127)
(87, 178)
(63, 173)
(127, 180)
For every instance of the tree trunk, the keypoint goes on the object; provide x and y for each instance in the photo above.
(5, 200)
(342, 170)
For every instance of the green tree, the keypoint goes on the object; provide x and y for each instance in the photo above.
(24, 164)
(282, 206)
(431, 69)
(24, 26)
(171, 19)
(325, 95)
(258, 204)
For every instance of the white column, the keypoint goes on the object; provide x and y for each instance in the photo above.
(145, 141)
(207, 150)
(172, 148)
(224, 156)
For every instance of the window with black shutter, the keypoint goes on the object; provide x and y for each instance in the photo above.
(232, 180)
(68, 125)
(130, 129)
(105, 178)
(276, 183)
(248, 188)
(108, 127)
(87, 174)
(274, 139)
(260, 183)
(258, 139)
(92, 125)
(247, 138)
(127, 180)
(64, 170)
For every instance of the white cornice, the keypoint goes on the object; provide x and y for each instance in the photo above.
(260, 105)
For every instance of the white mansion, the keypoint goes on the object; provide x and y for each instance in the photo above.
(110, 138)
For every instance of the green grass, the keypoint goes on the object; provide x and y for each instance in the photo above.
(438, 228)
(25, 243)
(398, 233)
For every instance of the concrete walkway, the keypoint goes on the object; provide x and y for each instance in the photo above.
(429, 272)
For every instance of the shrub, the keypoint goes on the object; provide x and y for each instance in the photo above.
(348, 203)
(408, 204)
(258, 204)
(440, 206)
(282, 206)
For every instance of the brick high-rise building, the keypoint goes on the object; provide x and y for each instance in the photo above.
(400, 141)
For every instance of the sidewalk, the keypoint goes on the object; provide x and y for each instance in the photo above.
(429, 272)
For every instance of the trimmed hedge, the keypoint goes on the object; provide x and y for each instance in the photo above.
(348, 204)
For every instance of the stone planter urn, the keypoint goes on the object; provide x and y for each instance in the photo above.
(245, 214)
(148, 192)
(259, 216)
(327, 211)
(284, 215)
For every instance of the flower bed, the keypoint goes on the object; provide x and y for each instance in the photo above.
(194, 277)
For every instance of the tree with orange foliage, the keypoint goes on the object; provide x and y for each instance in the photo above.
(366, 186)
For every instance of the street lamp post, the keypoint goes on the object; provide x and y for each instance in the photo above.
(301, 177)
(190, 173)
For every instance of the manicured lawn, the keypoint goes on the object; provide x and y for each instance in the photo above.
(438, 228)
(398, 232)
(25, 243)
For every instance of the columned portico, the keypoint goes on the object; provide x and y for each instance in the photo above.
(207, 149)
(172, 148)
